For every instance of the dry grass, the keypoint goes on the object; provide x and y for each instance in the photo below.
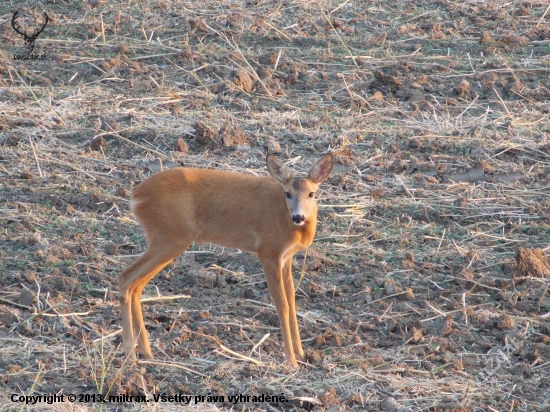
(438, 114)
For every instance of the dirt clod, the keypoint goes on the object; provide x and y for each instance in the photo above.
(27, 298)
(243, 80)
(199, 25)
(205, 135)
(109, 124)
(201, 278)
(121, 192)
(315, 357)
(330, 398)
(387, 80)
(232, 136)
(181, 146)
(407, 294)
(505, 322)
(336, 341)
(391, 287)
(273, 319)
(415, 335)
(441, 327)
(271, 145)
(415, 143)
(464, 277)
(377, 96)
(7, 319)
(96, 143)
(532, 262)
(111, 249)
(462, 88)
(268, 58)
(249, 293)
(485, 37)
(27, 174)
(390, 405)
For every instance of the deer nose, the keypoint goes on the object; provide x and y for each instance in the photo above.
(298, 219)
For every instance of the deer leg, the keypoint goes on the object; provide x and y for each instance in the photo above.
(274, 279)
(292, 319)
(131, 283)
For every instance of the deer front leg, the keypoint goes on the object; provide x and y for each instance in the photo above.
(127, 283)
(292, 319)
(127, 328)
(274, 278)
(144, 348)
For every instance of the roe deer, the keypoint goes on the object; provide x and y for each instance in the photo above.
(274, 217)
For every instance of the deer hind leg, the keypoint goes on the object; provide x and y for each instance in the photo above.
(275, 284)
(131, 283)
(292, 319)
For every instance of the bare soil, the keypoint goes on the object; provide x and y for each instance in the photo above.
(426, 288)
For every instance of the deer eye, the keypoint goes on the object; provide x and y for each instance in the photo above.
(288, 195)
(311, 194)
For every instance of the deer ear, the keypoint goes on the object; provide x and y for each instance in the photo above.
(278, 170)
(321, 169)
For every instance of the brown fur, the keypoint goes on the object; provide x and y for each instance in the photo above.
(179, 206)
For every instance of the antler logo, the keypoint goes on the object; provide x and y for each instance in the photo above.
(29, 39)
